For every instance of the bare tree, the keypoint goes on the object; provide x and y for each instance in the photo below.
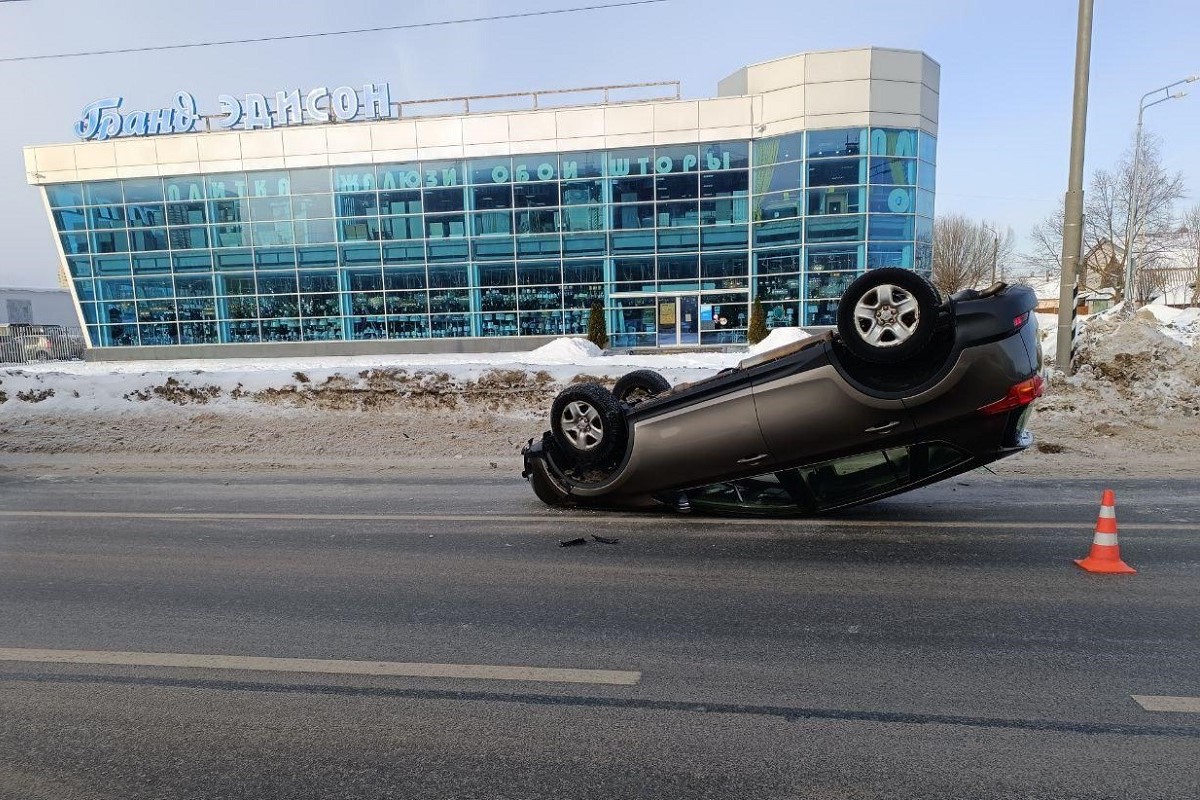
(1191, 248)
(1105, 217)
(967, 254)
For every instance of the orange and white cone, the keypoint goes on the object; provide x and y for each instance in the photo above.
(1105, 555)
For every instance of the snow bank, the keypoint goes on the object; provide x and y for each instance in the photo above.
(778, 337)
(566, 350)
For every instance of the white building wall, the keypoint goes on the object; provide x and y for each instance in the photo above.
(843, 88)
(46, 306)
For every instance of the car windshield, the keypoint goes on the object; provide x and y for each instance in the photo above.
(832, 483)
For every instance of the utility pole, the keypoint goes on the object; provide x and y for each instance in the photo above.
(1073, 219)
(995, 248)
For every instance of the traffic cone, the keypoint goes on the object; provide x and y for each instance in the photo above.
(1105, 555)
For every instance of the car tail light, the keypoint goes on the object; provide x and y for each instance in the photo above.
(1022, 394)
(1021, 320)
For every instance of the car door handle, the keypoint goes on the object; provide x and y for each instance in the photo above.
(887, 426)
(753, 459)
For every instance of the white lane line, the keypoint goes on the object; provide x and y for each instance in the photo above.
(323, 666)
(1155, 702)
(757, 522)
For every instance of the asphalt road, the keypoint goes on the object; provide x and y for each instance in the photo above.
(937, 645)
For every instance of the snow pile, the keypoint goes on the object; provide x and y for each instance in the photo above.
(778, 337)
(1156, 373)
(566, 350)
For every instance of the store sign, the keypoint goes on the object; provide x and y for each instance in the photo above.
(105, 119)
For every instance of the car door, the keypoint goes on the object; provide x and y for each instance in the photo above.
(813, 414)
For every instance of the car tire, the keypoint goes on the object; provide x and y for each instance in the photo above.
(588, 425)
(888, 314)
(639, 386)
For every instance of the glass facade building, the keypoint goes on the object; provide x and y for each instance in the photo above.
(675, 241)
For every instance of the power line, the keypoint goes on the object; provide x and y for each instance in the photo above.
(380, 29)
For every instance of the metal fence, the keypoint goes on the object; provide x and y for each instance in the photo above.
(21, 344)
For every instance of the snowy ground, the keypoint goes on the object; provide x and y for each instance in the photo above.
(1133, 409)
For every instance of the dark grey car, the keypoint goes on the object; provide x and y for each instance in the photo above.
(909, 390)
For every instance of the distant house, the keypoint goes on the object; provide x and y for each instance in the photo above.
(37, 307)
(1089, 301)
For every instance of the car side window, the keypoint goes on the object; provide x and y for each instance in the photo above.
(853, 477)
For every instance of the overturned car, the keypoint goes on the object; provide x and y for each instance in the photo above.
(910, 389)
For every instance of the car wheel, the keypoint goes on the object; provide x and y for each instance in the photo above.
(887, 314)
(640, 385)
(588, 424)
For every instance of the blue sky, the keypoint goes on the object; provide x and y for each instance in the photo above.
(1005, 94)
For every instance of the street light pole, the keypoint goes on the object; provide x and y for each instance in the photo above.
(1073, 211)
(1132, 212)
(995, 248)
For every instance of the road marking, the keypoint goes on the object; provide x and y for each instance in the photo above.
(323, 666)
(1154, 702)
(582, 517)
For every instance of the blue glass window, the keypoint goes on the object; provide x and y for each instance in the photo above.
(837, 172)
(926, 175)
(490, 171)
(779, 148)
(836, 200)
(925, 203)
(535, 195)
(901, 171)
(485, 198)
(145, 216)
(103, 217)
(781, 205)
(927, 147)
(535, 168)
(677, 187)
(838, 142)
(582, 192)
(777, 178)
(143, 190)
(115, 241)
(724, 155)
(312, 181)
(103, 193)
(189, 187)
(225, 185)
(231, 235)
(892, 199)
(74, 243)
(326, 256)
(632, 190)
(890, 254)
(79, 266)
(357, 205)
(582, 165)
(186, 214)
(64, 194)
(111, 264)
(834, 258)
(725, 237)
(314, 231)
(781, 232)
(845, 228)
(582, 244)
(310, 206)
(893, 142)
(189, 262)
(235, 260)
(188, 238)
